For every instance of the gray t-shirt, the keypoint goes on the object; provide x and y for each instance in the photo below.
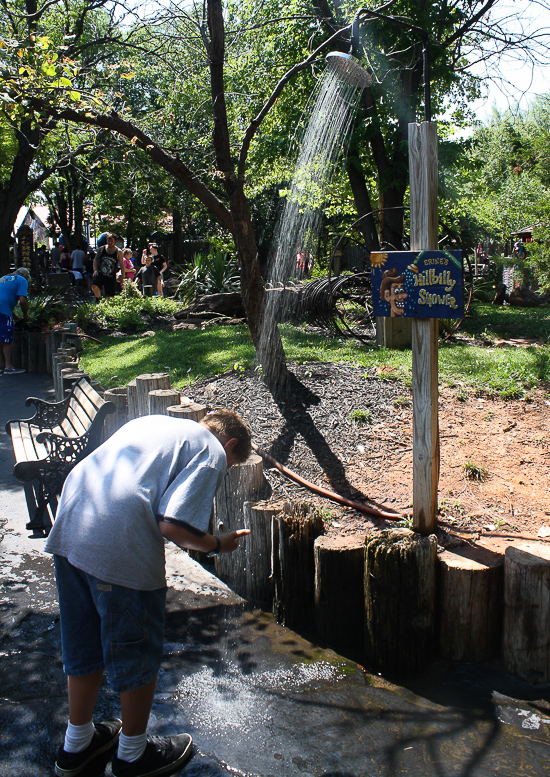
(153, 466)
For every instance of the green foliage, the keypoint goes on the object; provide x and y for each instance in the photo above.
(208, 274)
(49, 307)
(125, 311)
(505, 372)
(361, 417)
(474, 471)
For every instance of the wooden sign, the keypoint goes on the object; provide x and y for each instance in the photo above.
(417, 284)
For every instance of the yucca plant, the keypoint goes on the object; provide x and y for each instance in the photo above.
(207, 274)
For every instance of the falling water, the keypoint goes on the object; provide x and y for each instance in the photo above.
(297, 229)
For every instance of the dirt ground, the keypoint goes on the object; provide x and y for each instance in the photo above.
(495, 455)
(494, 470)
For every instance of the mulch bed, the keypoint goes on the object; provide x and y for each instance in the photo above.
(312, 432)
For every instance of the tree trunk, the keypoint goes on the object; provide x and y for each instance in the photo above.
(242, 482)
(361, 197)
(299, 527)
(188, 410)
(113, 421)
(526, 643)
(177, 235)
(339, 599)
(399, 601)
(149, 382)
(161, 399)
(263, 328)
(470, 594)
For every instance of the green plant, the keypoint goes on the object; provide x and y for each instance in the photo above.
(207, 274)
(401, 402)
(489, 415)
(461, 395)
(474, 471)
(406, 522)
(51, 305)
(361, 416)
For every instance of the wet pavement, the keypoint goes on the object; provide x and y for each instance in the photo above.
(260, 700)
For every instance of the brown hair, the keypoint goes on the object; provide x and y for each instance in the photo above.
(389, 277)
(226, 423)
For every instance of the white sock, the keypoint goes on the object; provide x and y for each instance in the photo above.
(77, 738)
(131, 748)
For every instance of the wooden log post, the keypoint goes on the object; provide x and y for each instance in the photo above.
(526, 636)
(399, 601)
(24, 350)
(133, 409)
(16, 348)
(242, 483)
(425, 331)
(260, 545)
(161, 399)
(299, 526)
(49, 353)
(70, 377)
(469, 603)
(146, 383)
(339, 599)
(34, 345)
(191, 410)
(44, 355)
(62, 364)
(112, 423)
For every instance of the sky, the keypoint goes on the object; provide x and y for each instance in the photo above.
(525, 81)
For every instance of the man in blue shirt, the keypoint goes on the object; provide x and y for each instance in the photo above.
(13, 290)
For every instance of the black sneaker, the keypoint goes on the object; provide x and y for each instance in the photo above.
(162, 755)
(96, 756)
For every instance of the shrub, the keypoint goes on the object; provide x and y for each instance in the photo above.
(207, 274)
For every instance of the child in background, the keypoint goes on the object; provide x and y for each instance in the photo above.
(147, 277)
(130, 271)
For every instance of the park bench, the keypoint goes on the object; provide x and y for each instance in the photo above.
(48, 445)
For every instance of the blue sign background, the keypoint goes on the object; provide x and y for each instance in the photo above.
(418, 284)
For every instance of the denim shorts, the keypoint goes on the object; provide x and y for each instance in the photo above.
(108, 626)
(6, 328)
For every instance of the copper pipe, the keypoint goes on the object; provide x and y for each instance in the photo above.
(325, 492)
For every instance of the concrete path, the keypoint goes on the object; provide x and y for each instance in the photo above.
(260, 700)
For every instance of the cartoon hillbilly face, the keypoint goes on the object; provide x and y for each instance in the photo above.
(392, 291)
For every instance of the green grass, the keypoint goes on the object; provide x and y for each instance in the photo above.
(191, 354)
(507, 321)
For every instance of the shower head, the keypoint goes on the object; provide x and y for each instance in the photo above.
(348, 69)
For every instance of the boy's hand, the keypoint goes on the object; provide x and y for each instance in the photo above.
(230, 541)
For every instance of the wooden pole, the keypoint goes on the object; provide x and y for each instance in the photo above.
(425, 331)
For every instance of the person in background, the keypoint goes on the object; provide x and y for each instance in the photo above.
(128, 265)
(107, 261)
(55, 255)
(13, 291)
(108, 546)
(42, 257)
(158, 260)
(77, 257)
(148, 277)
(65, 260)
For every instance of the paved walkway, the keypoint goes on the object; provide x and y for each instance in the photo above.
(259, 700)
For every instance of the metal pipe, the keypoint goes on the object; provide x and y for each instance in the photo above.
(325, 492)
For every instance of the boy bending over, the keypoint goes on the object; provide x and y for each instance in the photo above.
(153, 479)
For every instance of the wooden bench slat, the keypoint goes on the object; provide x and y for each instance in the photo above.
(90, 400)
(72, 425)
(84, 414)
(25, 446)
